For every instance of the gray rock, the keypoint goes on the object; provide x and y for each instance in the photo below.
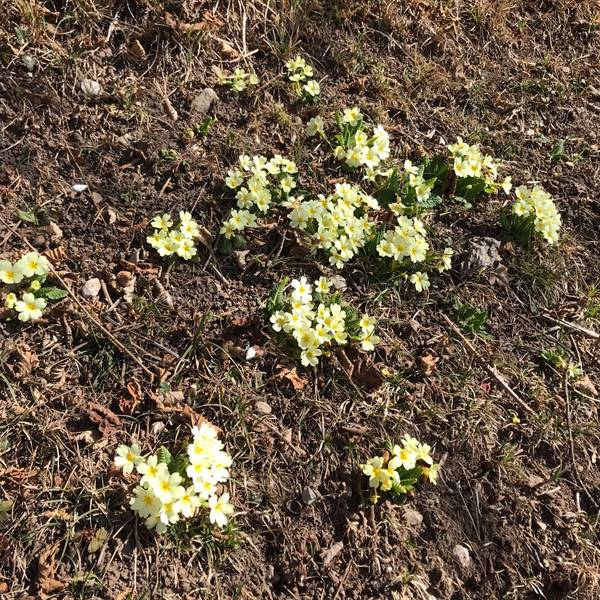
(202, 102)
(308, 496)
(461, 554)
(91, 288)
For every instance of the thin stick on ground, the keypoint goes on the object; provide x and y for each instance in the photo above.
(573, 326)
(572, 444)
(491, 370)
(119, 345)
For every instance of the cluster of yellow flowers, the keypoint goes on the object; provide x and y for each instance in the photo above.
(170, 489)
(300, 74)
(32, 269)
(316, 320)
(415, 179)
(470, 162)
(167, 240)
(357, 148)
(337, 223)
(259, 183)
(537, 203)
(407, 243)
(239, 80)
(398, 470)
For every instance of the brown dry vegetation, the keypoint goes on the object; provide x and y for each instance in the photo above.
(521, 496)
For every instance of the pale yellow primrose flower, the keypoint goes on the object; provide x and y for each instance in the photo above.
(33, 264)
(322, 285)
(315, 126)
(35, 285)
(162, 222)
(166, 486)
(420, 281)
(10, 273)
(219, 509)
(145, 502)
(312, 88)
(432, 472)
(10, 300)
(368, 341)
(405, 456)
(30, 308)
(127, 457)
(186, 502)
(351, 115)
(150, 470)
(367, 323)
(373, 470)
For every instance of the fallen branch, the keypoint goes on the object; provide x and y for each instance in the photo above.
(584, 330)
(491, 370)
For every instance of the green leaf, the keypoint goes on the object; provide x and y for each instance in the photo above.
(52, 293)
(238, 242)
(180, 464)
(468, 189)
(97, 540)
(437, 168)
(22, 36)
(164, 456)
(224, 246)
(390, 189)
(203, 128)
(558, 150)
(431, 202)
(408, 479)
(275, 299)
(5, 507)
(27, 216)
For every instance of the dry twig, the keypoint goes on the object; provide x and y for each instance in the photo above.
(491, 370)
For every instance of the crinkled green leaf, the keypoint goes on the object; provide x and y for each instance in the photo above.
(52, 293)
(164, 456)
(27, 216)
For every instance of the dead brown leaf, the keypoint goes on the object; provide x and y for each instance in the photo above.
(59, 514)
(47, 581)
(428, 363)
(345, 362)
(128, 405)
(209, 21)
(205, 236)
(21, 362)
(174, 402)
(291, 375)
(584, 384)
(105, 418)
(136, 51)
(139, 267)
(19, 474)
(368, 374)
(228, 51)
(359, 368)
